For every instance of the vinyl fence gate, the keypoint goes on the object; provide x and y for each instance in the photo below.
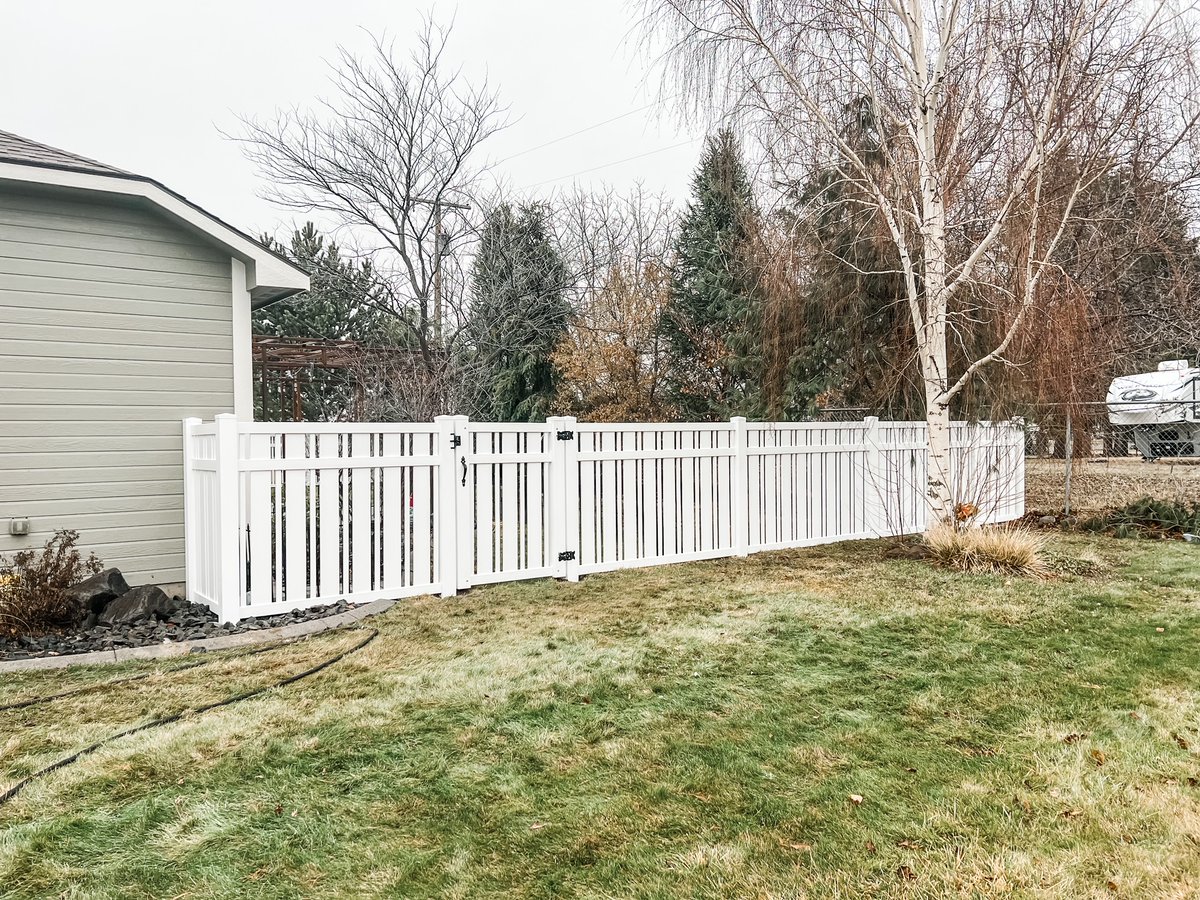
(286, 516)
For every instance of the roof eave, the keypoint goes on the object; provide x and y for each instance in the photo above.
(269, 275)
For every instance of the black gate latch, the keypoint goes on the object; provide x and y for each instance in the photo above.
(456, 440)
(566, 555)
(566, 435)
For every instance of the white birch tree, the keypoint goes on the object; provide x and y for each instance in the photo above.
(971, 126)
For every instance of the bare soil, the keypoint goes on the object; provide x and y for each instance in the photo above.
(1099, 484)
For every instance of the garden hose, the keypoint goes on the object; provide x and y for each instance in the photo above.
(65, 761)
(142, 676)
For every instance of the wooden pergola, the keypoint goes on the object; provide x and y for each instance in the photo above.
(287, 360)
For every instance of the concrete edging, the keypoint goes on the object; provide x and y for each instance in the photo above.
(183, 648)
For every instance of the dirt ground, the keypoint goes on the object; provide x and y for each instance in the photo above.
(1104, 483)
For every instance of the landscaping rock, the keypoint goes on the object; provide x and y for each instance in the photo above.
(92, 594)
(147, 602)
(192, 622)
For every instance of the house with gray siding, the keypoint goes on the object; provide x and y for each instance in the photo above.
(124, 308)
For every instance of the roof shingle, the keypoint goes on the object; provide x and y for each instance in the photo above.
(22, 151)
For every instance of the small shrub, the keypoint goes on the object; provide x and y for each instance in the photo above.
(33, 592)
(1005, 551)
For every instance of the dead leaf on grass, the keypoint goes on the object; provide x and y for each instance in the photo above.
(1098, 756)
(856, 799)
(906, 873)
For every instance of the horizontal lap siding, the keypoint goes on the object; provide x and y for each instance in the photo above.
(114, 325)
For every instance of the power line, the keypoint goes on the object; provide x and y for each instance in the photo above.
(567, 137)
(611, 164)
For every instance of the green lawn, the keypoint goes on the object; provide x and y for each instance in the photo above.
(818, 723)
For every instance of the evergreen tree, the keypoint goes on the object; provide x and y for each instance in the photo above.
(840, 334)
(710, 326)
(518, 313)
(337, 306)
(338, 303)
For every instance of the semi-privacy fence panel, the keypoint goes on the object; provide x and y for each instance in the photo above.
(286, 516)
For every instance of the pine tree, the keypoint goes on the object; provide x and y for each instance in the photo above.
(518, 313)
(710, 326)
(337, 306)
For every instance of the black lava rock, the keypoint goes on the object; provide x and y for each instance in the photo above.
(153, 629)
(92, 594)
(145, 602)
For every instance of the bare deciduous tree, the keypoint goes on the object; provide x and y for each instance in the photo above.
(393, 160)
(600, 231)
(972, 128)
(617, 248)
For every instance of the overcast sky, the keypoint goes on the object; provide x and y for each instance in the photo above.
(147, 85)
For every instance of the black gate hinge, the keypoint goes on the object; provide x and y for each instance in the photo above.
(566, 555)
(456, 440)
(566, 435)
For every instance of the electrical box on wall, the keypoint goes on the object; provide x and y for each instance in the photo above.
(18, 527)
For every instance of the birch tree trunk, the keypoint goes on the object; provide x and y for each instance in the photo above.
(924, 90)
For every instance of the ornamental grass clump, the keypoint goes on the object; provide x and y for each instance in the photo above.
(979, 550)
(33, 585)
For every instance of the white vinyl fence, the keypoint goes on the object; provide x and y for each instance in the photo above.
(285, 516)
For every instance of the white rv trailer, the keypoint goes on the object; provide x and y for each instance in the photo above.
(1161, 408)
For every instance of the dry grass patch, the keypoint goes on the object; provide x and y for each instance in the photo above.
(989, 550)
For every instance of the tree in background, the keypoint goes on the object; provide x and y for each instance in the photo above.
(835, 331)
(710, 327)
(990, 100)
(518, 313)
(341, 304)
(393, 157)
(618, 249)
(612, 359)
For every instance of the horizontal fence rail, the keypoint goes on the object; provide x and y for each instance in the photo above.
(283, 517)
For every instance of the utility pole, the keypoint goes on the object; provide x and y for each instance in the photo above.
(441, 248)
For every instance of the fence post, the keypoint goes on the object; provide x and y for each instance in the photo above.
(874, 504)
(741, 490)
(564, 497)
(191, 537)
(1069, 455)
(1018, 459)
(452, 435)
(228, 524)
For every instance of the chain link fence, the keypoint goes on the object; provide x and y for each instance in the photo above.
(1079, 463)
